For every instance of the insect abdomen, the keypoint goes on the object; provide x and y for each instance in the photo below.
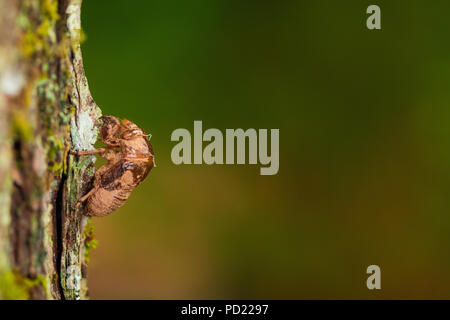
(103, 202)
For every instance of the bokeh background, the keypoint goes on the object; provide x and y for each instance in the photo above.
(364, 148)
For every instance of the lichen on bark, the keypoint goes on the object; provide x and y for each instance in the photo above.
(46, 110)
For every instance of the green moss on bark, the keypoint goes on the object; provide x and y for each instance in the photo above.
(13, 286)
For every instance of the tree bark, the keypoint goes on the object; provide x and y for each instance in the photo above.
(46, 111)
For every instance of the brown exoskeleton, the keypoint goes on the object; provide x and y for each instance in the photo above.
(130, 159)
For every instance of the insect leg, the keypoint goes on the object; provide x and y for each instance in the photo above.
(82, 153)
(85, 197)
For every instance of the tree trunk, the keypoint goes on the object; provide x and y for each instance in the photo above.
(46, 111)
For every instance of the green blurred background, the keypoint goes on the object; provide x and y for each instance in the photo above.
(364, 148)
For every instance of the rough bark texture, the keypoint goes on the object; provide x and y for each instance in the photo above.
(46, 111)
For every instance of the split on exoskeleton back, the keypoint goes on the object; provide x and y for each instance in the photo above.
(109, 131)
